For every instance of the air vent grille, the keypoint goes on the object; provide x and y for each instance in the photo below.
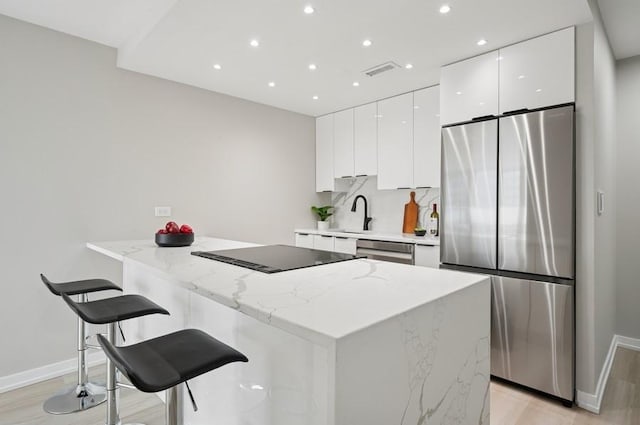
(379, 69)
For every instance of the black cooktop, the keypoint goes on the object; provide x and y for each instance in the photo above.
(274, 258)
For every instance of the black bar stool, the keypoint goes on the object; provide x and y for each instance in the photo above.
(108, 312)
(85, 394)
(163, 363)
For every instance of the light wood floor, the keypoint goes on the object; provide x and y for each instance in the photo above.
(509, 405)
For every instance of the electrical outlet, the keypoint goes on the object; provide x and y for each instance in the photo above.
(163, 211)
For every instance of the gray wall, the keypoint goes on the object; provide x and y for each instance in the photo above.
(595, 237)
(86, 152)
(628, 211)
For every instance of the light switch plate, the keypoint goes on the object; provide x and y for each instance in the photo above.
(163, 211)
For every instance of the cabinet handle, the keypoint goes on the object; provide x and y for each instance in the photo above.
(326, 236)
(403, 187)
(361, 175)
(424, 187)
(346, 177)
(341, 237)
(327, 191)
(483, 117)
(516, 111)
(303, 234)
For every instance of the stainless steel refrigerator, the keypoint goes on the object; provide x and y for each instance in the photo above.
(508, 210)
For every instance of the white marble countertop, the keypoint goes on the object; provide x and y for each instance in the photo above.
(372, 235)
(317, 303)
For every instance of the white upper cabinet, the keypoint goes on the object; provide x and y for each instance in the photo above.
(343, 149)
(366, 140)
(469, 89)
(324, 153)
(426, 137)
(395, 142)
(538, 72)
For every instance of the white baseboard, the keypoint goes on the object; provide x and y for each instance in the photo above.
(42, 373)
(592, 402)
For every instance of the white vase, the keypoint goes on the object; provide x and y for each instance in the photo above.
(323, 225)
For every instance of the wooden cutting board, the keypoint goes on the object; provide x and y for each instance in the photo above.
(410, 215)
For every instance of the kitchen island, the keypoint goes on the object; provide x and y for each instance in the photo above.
(349, 343)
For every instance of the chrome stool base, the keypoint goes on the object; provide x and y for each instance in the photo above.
(76, 398)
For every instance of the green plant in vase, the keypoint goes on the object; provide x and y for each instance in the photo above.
(323, 214)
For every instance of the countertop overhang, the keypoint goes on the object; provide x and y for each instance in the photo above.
(317, 303)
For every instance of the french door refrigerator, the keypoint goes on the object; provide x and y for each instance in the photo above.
(508, 210)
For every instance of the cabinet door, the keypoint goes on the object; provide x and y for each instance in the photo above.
(538, 72)
(469, 89)
(426, 137)
(344, 245)
(304, 240)
(323, 242)
(343, 144)
(427, 256)
(366, 140)
(324, 153)
(395, 142)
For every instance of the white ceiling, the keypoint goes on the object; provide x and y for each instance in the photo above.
(622, 22)
(180, 40)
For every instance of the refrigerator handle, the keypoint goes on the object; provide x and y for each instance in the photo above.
(516, 111)
(483, 117)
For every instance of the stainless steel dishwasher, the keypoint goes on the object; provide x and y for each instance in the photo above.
(395, 252)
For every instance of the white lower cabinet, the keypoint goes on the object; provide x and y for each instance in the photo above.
(427, 256)
(344, 245)
(323, 242)
(304, 240)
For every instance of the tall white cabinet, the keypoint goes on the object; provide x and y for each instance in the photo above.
(343, 149)
(324, 154)
(538, 72)
(469, 89)
(426, 137)
(395, 142)
(366, 140)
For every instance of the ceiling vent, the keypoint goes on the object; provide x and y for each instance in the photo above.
(379, 69)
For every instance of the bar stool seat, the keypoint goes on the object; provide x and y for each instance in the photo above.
(79, 286)
(109, 311)
(164, 362)
(84, 394)
(116, 309)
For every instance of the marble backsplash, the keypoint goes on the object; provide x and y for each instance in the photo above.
(385, 206)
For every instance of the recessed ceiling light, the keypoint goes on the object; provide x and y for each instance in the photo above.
(481, 103)
(356, 84)
(408, 66)
(444, 9)
(254, 43)
(272, 84)
(367, 43)
(312, 66)
(217, 67)
(520, 77)
(499, 58)
(416, 107)
(458, 92)
(315, 97)
(538, 90)
(482, 42)
(309, 9)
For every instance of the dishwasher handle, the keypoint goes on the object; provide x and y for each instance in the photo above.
(400, 247)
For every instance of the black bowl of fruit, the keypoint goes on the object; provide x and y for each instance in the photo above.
(173, 235)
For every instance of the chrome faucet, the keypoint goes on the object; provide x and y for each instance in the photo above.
(365, 226)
